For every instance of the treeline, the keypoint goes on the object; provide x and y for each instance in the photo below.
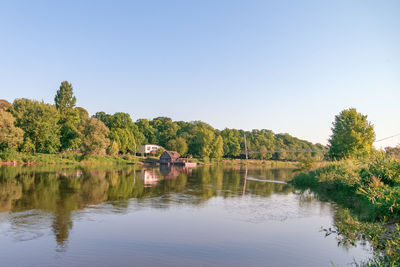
(32, 126)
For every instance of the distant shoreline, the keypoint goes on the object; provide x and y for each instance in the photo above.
(73, 158)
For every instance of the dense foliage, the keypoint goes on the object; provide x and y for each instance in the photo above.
(40, 127)
(69, 117)
(65, 99)
(370, 188)
(122, 131)
(352, 135)
(94, 136)
(4, 104)
(10, 136)
(39, 121)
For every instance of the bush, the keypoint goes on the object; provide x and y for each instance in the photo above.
(305, 163)
(375, 182)
(9, 154)
(385, 199)
(387, 169)
(383, 238)
(334, 175)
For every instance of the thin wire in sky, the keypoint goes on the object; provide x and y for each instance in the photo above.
(387, 137)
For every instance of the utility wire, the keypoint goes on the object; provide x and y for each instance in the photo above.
(387, 138)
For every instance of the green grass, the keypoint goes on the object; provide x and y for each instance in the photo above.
(369, 190)
(263, 163)
(65, 158)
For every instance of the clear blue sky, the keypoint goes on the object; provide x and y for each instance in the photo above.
(288, 66)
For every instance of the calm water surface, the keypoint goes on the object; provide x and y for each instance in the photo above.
(130, 216)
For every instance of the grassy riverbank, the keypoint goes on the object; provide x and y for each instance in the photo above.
(11, 157)
(370, 191)
(272, 164)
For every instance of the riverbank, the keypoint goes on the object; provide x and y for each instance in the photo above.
(15, 158)
(12, 158)
(272, 164)
(370, 192)
(243, 163)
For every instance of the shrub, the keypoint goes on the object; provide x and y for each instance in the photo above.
(335, 174)
(385, 199)
(10, 154)
(387, 169)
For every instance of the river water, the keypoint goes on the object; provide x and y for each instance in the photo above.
(131, 216)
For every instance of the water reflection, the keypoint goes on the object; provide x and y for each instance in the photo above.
(150, 177)
(61, 191)
(39, 198)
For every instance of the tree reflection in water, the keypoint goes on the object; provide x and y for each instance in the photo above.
(59, 191)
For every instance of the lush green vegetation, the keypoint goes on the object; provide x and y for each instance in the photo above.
(370, 190)
(32, 127)
(66, 157)
(365, 182)
(352, 135)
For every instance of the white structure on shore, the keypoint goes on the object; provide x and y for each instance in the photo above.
(145, 149)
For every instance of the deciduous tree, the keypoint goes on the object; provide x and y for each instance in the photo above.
(217, 151)
(10, 136)
(113, 149)
(231, 142)
(39, 122)
(124, 138)
(178, 144)
(69, 117)
(147, 130)
(202, 141)
(94, 136)
(165, 128)
(122, 130)
(4, 104)
(69, 130)
(352, 135)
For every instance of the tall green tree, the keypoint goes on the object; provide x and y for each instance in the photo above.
(178, 144)
(203, 138)
(10, 136)
(260, 141)
(165, 128)
(69, 130)
(39, 121)
(147, 130)
(65, 99)
(122, 130)
(217, 151)
(280, 144)
(231, 139)
(69, 117)
(94, 136)
(263, 153)
(104, 117)
(124, 138)
(352, 135)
